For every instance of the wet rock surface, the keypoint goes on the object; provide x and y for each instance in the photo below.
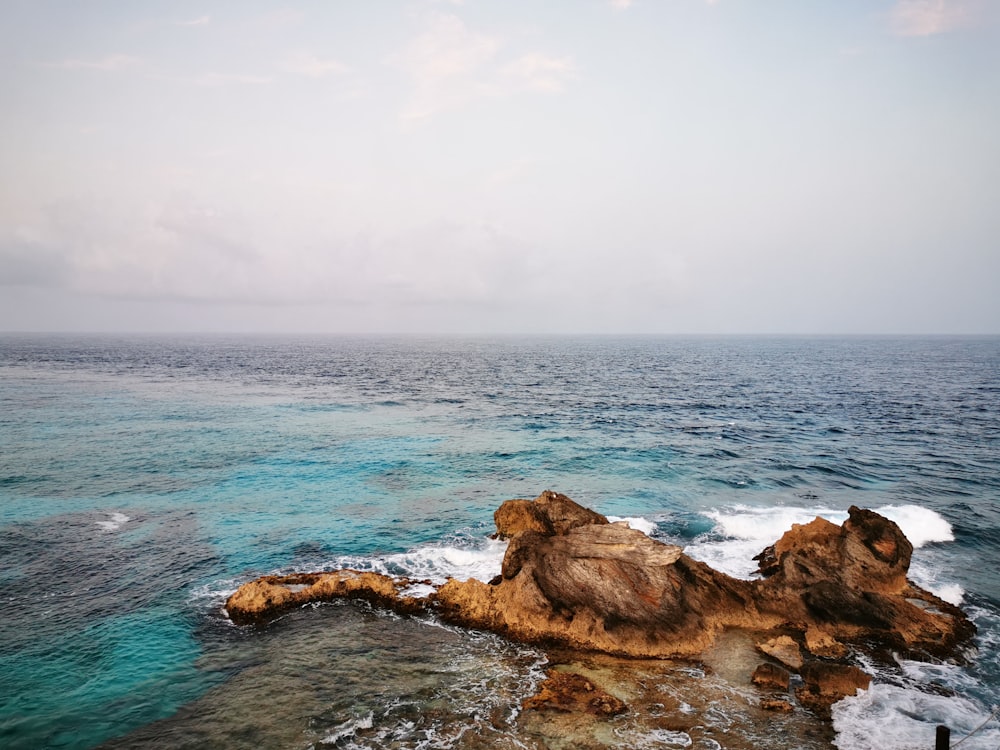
(599, 586)
(569, 691)
(771, 677)
(263, 599)
(610, 588)
(826, 683)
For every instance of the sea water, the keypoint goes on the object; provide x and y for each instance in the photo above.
(142, 479)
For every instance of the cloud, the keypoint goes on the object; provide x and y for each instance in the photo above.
(446, 262)
(225, 79)
(184, 247)
(204, 226)
(202, 21)
(928, 17)
(178, 248)
(448, 49)
(512, 172)
(108, 63)
(450, 65)
(312, 66)
(445, 62)
(539, 72)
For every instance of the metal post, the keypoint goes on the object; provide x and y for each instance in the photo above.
(943, 741)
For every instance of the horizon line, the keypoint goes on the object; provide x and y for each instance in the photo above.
(507, 334)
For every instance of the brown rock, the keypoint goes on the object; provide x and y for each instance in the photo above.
(867, 553)
(548, 514)
(568, 692)
(517, 516)
(603, 587)
(850, 582)
(821, 643)
(268, 596)
(881, 548)
(257, 599)
(571, 578)
(825, 683)
(771, 677)
(777, 705)
(784, 650)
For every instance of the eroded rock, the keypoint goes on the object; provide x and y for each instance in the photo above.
(602, 587)
(820, 643)
(848, 584)
(570, 578)
(548, 514)
(825, 683)
(784, 650)
(771, 677)
(776, 705)
(262, 599)
(572, 692)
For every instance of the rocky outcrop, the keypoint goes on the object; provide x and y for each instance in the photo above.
(784, 650)
(818, 642)
(551, 513)
(571, 692)
(771, 677)
(848, 583)
(607, 587)
(825, 683)
(262, 599)
(602, 587)
(570, 578)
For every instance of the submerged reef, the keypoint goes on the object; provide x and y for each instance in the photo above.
(572, 580)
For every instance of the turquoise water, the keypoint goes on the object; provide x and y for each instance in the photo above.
(142, 479)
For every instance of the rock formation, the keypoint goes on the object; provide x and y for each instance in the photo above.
(570, 578)
(826, 683)
(567, 691)
(838, 584)
(602, 587)
(262, 599)
(771, 677)
(581, 582)
(549, 514)
(783, 650)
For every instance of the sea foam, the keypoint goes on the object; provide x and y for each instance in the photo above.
(890, 717)
(644, 525)
(349, 728)
(117, 521)
(479, 559)
(921, 525)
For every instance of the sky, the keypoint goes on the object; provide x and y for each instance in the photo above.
(500, 166)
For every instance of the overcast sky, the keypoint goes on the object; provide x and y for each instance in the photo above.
(671, 166)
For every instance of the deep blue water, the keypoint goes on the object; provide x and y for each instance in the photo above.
(143, 478)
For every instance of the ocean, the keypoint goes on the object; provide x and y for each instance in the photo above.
(144, 478)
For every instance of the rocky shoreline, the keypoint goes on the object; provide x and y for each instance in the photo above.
(573, 583)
